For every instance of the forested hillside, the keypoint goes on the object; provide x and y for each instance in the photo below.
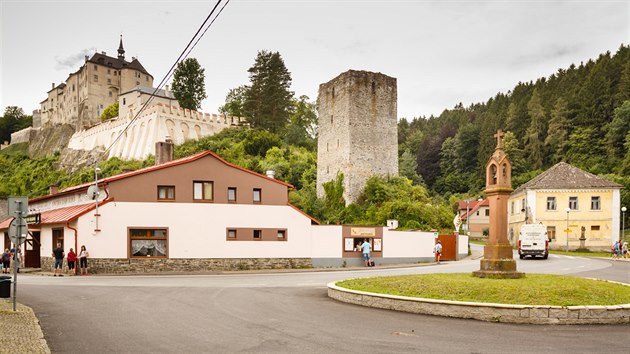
(580, 115)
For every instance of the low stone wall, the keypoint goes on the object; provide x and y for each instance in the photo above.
(618, 314)
(187, 265)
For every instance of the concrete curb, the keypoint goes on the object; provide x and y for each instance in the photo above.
(529, 314)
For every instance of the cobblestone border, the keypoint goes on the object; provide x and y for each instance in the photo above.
(530, 314)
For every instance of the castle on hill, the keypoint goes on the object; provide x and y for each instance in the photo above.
(102, 80)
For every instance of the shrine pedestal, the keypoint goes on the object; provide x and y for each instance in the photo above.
(498, 263)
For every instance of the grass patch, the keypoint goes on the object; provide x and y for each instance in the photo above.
(477, 242)
(581, 254)
(533, 289)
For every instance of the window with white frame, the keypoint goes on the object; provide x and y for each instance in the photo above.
(595, 203)
(551, 203)
(573, 203)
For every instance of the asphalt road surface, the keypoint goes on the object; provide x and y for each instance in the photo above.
(289, 312)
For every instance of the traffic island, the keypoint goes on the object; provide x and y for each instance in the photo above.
(618, 313)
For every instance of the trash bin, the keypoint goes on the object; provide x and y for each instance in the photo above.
(5, 286)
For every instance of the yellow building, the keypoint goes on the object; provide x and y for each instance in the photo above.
(576, 206)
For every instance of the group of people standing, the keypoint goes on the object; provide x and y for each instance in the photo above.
(619, 249)
(7, 256)
(59, 254)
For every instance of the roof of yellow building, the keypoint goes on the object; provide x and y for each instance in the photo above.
(565, 176)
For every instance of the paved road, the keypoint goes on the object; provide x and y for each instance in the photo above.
(287, 313)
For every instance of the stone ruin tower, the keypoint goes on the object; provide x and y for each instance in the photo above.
(358, 130)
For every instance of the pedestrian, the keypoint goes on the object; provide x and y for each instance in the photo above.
(614, 249)
(624, 250)
(438, 251)
(6, 261)
(58, 254)
(365, 248)
(83, 256)
(72, 259)
(18, 259)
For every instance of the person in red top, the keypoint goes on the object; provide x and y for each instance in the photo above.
(72, 260)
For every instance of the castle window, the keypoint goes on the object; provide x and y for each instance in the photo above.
(95, 68)
(137, 83)
(109, 71)
(373, 88)
(110, 94)
(115, 72)
(95, 78)
(109, 81)
(333, 92)
(147, 77)
(331, 119)
(124, 101)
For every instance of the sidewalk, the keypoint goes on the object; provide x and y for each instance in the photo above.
(19, 330)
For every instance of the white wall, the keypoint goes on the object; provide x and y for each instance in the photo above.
(197, 230)
(462, 244)
(407, 243)
(327, 241)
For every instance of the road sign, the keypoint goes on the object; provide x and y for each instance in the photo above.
(568, 230)
(18, 238)
(18, 206)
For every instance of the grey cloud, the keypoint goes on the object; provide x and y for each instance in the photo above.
(72, 61)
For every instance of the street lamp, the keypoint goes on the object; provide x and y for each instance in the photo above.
(567, 230)
(623, 222)
(467, 218)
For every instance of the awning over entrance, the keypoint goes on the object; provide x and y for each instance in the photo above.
(57, 216)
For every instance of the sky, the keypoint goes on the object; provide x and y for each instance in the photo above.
(441, 52)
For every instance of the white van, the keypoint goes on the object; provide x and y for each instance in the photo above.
(533, 241)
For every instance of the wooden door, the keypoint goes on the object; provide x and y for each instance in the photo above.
(449, 247)
(32, 250)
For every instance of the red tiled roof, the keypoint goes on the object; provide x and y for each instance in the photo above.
(61, 215)
(477, 205)
(159, 167)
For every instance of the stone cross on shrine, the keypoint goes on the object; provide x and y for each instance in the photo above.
(497, 259)
(499, 135)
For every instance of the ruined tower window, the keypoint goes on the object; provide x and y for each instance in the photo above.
(109, 71)
(95, 78)
(331, 119)
(110, 94)
(333, 92)
(326, 146)
(109, 81)
(373, 88)
(337, 143)
(95, 68)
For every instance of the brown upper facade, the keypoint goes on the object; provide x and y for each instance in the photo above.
(202, 178)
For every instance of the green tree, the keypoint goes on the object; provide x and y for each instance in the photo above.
(234, 102)
(514, 153)
(189, 85)
(12, 121)
(334, 203)
(302, 128)
(268, 101)
(534, 136)
(110, 112)
(618, 128)
(557, 133)
(408, 167)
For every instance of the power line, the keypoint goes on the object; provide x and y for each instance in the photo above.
(183, 55)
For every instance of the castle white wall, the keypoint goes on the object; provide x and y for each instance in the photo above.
(24, 136)
(153, 125)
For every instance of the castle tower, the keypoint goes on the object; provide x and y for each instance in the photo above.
(121, 50)
(358, 131)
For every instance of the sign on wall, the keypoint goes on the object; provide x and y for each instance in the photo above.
(348, 245)
(362, 231)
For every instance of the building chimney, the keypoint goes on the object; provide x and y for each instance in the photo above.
(271, 173)
(164, 151)
(53, 85)
(53, 189)
(166, 90)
